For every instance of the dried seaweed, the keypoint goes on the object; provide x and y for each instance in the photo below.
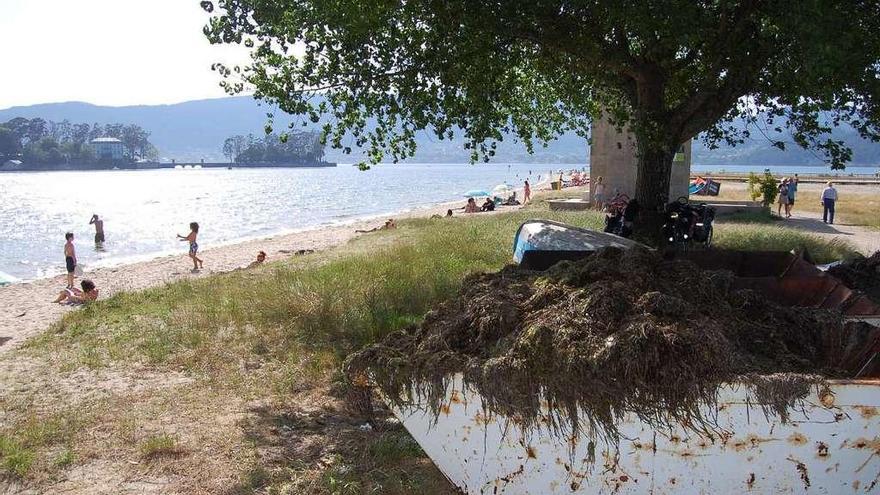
(861, 274)
(618, 332)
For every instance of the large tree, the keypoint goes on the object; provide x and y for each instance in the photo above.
(668, 70)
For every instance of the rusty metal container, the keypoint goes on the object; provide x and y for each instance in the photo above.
(830, 445)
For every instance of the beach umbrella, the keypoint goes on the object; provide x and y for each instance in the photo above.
(476, 193)
(502, 190)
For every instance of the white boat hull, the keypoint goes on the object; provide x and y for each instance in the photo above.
(831, 445)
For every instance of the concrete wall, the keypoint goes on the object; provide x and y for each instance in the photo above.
(613, 156)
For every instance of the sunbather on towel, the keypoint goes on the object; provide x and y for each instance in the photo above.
(75, 296)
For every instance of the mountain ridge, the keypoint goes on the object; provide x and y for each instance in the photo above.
(195, 129)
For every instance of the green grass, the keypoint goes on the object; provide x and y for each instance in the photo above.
(775, 238)
(30, 443)
(160, 445)
(15, 457)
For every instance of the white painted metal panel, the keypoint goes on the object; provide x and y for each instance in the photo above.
(830, 445)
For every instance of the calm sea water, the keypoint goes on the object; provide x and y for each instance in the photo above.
(143, 210)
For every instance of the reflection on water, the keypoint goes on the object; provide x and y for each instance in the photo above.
(144, 210)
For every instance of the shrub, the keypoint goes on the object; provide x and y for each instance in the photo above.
(763, 186)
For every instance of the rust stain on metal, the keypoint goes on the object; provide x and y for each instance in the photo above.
(482, 419)
(511, 476)
(856, 484)
(867, 412)
(797, 439)
(802, 470)
(674, 439)
(455, 398)
(530, 452)
(444, 409)
(750, 482)
(827, 399)
(821, 449)
(864, 443)
(575, 485)
(672, 481)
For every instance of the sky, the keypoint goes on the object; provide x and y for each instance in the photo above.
(107, 52)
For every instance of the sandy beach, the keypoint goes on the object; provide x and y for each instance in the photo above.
(28, 310)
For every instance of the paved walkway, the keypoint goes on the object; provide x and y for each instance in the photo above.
(865, 240)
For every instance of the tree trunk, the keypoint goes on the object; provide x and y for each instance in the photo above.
(652, 187)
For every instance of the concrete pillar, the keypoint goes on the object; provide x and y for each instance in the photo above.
(613, 156)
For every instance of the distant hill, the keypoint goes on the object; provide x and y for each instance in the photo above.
(193, 130)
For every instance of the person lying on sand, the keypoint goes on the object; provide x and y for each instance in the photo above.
(75, 296)
(261, 257)
(448, 214)
(389, 224)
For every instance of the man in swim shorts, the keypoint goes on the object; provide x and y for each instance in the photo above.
(69, 258)
(99, 228)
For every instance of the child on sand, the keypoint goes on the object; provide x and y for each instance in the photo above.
(261, 258)
(73, 295)
(69, 258)
(193, 245)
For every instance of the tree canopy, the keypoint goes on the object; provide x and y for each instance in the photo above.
(382, 70)
(40, 142)
(291, 149)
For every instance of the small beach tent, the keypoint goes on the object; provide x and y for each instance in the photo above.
(539, 244)
(502, 190)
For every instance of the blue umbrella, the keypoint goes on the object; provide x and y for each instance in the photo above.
(476, 193)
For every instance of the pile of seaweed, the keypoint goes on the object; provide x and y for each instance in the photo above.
(862, 274)
(618, 332)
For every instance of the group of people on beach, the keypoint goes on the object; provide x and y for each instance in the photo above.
(88, 291)
(787, 193)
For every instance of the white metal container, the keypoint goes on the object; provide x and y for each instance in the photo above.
(830, 445)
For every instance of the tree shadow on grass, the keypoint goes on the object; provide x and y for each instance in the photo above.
(322, 447)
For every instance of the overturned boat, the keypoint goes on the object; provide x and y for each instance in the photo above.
(539, 244)
(825, 441)
(830, 444)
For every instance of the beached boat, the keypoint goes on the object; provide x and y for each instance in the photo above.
(830, 444)
(538, 244)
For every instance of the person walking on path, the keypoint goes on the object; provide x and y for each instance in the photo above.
(193, 245)
(527, 193)
(69, 258)
(829, 197)
(792, 192)
(782, 198)
(99, 228)
(598, 194)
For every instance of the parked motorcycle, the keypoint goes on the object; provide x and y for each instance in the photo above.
(688, 224)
